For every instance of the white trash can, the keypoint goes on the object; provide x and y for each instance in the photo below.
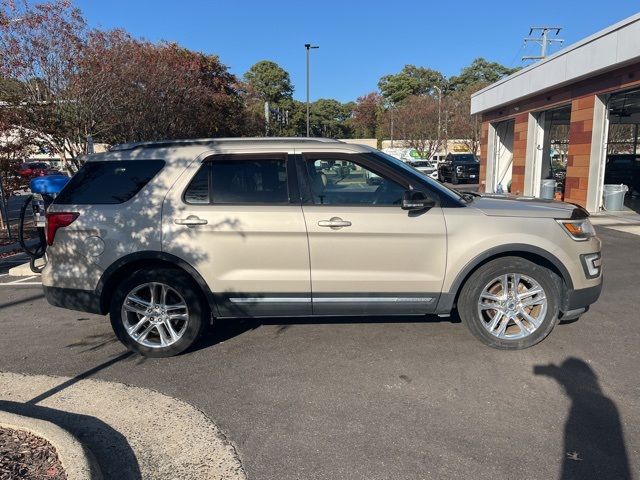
(613, 197)
(548, 189)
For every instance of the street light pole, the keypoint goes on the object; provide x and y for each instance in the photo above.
(439, 112)
(308, 46)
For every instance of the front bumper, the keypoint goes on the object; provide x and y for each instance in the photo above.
(467, 175)
(73, 299)
(582, 297)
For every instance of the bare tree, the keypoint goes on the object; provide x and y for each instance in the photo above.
(461, 124)
(41, 45)
(77, 84)
(416, 122)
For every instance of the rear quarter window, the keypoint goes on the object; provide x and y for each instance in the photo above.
(109, 182)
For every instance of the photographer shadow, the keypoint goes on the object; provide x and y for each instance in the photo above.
(594, 446)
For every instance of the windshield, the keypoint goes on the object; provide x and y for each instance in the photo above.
(423, 178)
(467, 158)
(421, 163)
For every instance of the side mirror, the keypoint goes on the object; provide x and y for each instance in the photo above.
(413, 200)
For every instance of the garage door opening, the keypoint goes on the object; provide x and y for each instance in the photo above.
(553, 168)
(500, 164)
(548, 153)
(623, 145)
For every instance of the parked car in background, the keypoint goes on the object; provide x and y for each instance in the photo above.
(623, 168)
(169, 236)
(425, 166)
(36, 169)
(21, 191)
(459, 168)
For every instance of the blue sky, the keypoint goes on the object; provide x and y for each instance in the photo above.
(359, 40)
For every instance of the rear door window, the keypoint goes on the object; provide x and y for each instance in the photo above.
(109, 182)
(249, 181)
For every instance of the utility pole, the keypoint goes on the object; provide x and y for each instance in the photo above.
(543, 40)
(439, 114)
(308, 46)
(391, 115)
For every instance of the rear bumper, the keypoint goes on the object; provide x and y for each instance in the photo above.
(73, 299)
(582, 297)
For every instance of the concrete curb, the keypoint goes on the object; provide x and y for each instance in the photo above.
(77, 460)
(24, 270)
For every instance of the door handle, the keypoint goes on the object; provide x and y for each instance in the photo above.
(335, 223)
(190, 221)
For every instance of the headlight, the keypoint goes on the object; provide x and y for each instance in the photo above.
(579, 230)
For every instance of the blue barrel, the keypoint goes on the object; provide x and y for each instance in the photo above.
(49, 184)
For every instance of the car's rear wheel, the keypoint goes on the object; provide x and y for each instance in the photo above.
(158, 312)
(510, 303)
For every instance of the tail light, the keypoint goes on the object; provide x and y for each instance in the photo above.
(56, 220)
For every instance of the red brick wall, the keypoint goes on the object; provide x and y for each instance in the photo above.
(519, 152)
(579, 154)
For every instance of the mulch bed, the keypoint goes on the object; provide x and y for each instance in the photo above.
(8, 254)
(27, 456)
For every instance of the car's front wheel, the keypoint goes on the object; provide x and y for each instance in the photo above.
(510, 303)
(158, 312)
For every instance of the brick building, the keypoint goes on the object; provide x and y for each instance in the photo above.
(572, 117)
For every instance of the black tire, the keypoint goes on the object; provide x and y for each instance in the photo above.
(181, 283)
(473, 287)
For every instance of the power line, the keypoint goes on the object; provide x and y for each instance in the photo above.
(516, 55)
(543, 40)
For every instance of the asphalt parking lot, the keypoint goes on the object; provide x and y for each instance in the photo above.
(380, 398)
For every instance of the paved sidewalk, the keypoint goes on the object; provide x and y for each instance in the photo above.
(134, 433)
(624, 221)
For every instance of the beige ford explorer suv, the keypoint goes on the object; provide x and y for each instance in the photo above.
(166, 237)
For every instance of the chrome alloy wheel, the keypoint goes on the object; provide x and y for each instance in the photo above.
(155, 315)
(512, 306)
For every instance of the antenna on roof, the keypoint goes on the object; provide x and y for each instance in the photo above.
(543, 40)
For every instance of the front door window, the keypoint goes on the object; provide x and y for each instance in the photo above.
(343, 182)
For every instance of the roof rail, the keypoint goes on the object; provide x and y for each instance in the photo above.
(217, 141)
